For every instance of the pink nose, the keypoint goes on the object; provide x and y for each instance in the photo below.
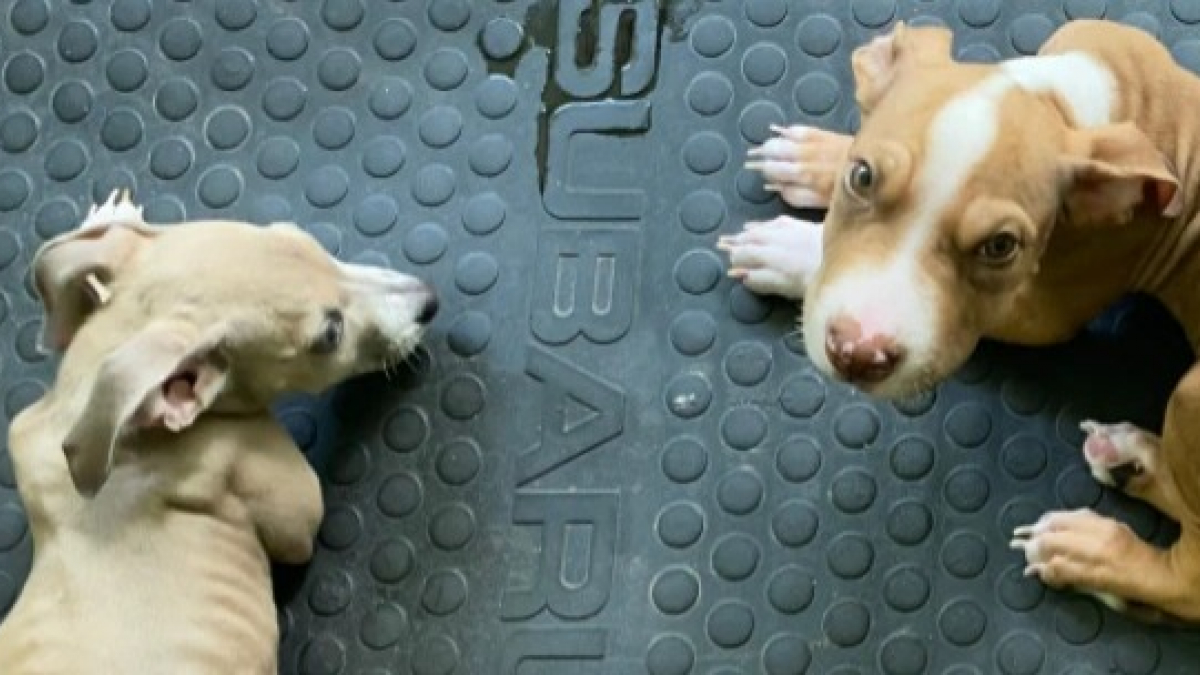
(858, 358)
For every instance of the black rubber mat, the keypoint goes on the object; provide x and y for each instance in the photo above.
(614, 459)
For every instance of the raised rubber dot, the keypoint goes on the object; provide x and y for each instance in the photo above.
(764, 64)
(469, 334)
(906, 589)
(680, 525)
(965, 555)
(709, 93)
(791, 590)
(757, 120)
(850, 555)
(873, 13)
(392, 561)
(122, 130)
(736, 557)
(817, 94)
(406, 429)
(1028, 32)
(743, 428)
(326, 186)
(339, 69)
(395, 39)
(376, 215)
(77, 41)
(72, 101)
(278, 157)
(440, 126)
(1135, 654)
(501, 38)
(1077, 488)
(383, 157)
(693, 332)
(1020, 653)
(176, 99)
(903, 655)
(424, 243)
(341, 527)
(798, 459)
(127, 70)
(675, 591)
(684, 460)
(342, 15)
(670, 655)
(786, 655)
(24, 73)
(446, 69)
(452, 527)
(287, 40)
(853, 491)
(330, 593)
(232, 69)
(912, 458)
(766, 13)
(795, 523)
(740, 493)
(1024, 457)
(459, 462)
(351, 463)
(333, 128)
(220, 187)
(846, 623)
(234, 15)
(1078, 622)
(1185, 11)
(968, 425)
(66, 160)
(130, 15)
(390, 98)
(856, 427)
(55, 216)
(491, 155)
(180, 39)
(463, 398)
(323, 655)
(29, 16)
(399, 495)
(14, 189)
(383, 626)
(712, 36)
(748, 363)
(730, 624)
(819, 35)
(449, 15)
(705, 153)
(802, 395)
(484, 213)
(436, 656)
(979, 13)
(496, 97)
(702, 212)
(433, 185)
(698, 272)
(445, 593)
(476, 272)
(688, 395)
(227, 128)
(909, 522)
(747, 307)
(967, 489)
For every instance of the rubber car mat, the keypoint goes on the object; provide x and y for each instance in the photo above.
(611, 458)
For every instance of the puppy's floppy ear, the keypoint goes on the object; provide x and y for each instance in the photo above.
(1110, 171)
(877, 63)
(71, 274)
(165, 376)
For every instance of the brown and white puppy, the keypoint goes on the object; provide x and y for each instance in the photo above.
(157, 484)
(1011, 201)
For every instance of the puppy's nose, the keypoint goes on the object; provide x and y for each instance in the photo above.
(429, 309)
(858, 358)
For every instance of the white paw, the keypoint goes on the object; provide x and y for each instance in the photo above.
(801, 164)
(1117, 453)
(119, 208)
(1052, 554)
(776, 257)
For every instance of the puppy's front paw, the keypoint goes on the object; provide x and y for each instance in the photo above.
(775, 257)
(1077, 549)
(801, 163)
(1119, 454)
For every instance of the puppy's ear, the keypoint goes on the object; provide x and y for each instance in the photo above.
(165, 376)
(1110, 171)
(877, 63)
(71, 274)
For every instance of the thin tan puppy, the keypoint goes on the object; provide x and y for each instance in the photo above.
(1013, 201)
(157, 485)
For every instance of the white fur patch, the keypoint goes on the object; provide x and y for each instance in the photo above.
(1086, 85)
(896, 299)
(119, 208)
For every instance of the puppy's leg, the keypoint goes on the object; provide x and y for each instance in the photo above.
(281, 493)
(780, 256)
(1090, 552)
(802, 164)
(1126, 457)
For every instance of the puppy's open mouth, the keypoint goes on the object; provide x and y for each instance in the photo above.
(181, 387)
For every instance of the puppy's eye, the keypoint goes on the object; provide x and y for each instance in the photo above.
(330, 337)
(860, 179)
(1000, 249)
